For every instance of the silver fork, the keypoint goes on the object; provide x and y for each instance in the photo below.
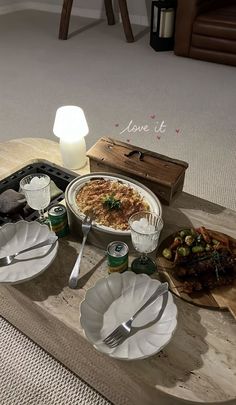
(4, 261)
(86, 226)
(123, 330)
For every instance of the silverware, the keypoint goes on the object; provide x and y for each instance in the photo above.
(123, 330)
(4, 261)
(86, 226)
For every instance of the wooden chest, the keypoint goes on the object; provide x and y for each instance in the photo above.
(162, 174)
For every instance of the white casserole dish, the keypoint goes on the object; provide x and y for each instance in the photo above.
(101, 235)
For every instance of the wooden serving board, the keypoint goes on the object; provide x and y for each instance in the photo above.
(223, 297)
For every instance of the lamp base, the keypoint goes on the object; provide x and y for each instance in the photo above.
(73, 153)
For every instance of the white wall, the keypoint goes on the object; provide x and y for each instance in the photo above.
(139, 10)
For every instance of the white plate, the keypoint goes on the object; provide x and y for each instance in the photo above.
(115, 299)
(74, 187)
(22, 235)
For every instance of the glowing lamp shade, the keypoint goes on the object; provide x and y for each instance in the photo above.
(71, 127)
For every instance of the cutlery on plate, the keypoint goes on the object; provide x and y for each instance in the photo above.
(4, 261)
(86, 226)
(123, 330)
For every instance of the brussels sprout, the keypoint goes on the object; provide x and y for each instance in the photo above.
(189, 240)
(193, 232)
(178, 238)
(183, 251)
(198, 249)
(215, 242)
(185, 232)
(167, 253)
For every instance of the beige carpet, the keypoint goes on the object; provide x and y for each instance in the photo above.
(29, 376)
(116, 82)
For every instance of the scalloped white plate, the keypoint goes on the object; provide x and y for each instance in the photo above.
(22, 235)
(115, 299)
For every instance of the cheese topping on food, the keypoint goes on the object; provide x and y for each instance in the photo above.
(110, 202)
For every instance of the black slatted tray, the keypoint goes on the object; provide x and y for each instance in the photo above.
(61, 179)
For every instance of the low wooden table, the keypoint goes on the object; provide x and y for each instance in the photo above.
(199, 363)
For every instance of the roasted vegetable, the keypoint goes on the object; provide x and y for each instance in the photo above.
(178, 238)
(193, 232)
(189, 240)
(198, 249)
(202, 259)
(183, 251)
(199, 238)
(185, 232)
(215, 242)
(167, 253)
(205, 234)
(176, 243)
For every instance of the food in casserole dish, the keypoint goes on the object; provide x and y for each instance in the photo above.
(110, 202)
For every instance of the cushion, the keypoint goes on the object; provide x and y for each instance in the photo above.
(219, 23)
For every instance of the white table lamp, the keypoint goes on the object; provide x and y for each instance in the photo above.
(71, 127)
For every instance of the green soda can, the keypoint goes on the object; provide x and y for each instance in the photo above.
(117, 257)
(58, 219)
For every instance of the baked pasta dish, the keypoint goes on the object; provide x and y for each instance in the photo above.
(110, 202)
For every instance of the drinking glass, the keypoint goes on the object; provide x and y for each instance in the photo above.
(36, 188)
(145, 230)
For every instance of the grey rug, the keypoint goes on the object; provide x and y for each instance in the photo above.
(30, 376)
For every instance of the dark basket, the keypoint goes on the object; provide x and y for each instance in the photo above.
(60, 178)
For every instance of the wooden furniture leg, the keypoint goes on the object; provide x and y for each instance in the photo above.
(66, 13)
(126, 21)
(109, 12)
(65, 19)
